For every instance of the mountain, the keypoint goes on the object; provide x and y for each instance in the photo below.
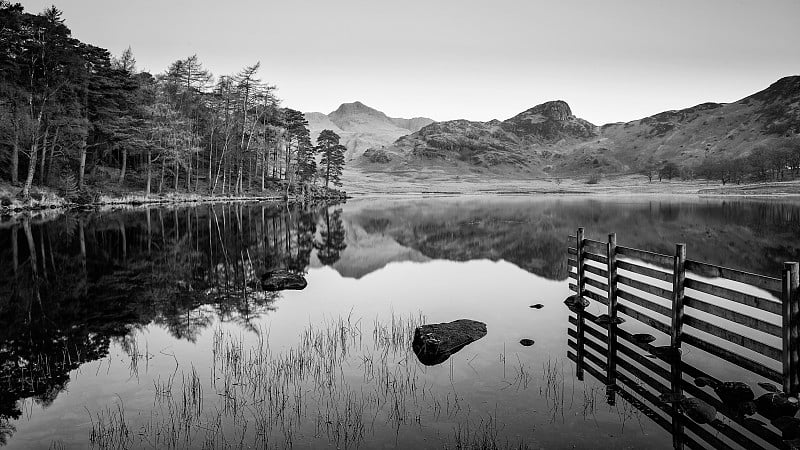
(362, 127)
(548, 138)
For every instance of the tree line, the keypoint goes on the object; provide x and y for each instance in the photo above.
(72, 115)
(762, 164)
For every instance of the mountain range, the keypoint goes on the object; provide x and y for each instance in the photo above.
(550, 139)
(361, 127)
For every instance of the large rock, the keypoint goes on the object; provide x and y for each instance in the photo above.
(280, 280)
(776, 404)
(434, 343)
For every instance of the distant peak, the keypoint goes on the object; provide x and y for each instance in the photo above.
(556, 110)
(355, 107)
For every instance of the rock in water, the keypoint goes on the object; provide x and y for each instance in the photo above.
(734, 393)
(698, 410)
(280, 280)
(643, 338)
(665, 353)
(526, 342)
(775, 404)
(537, 306)
(605, 319)
(573, 302)
(434, 343)
(769, 387)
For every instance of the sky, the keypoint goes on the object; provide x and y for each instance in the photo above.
(612, 61)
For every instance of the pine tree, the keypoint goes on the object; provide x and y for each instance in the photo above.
(332, 161)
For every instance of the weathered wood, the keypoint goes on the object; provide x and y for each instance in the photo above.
(649, 257)
(646, 271)
(644, 318)
(644, 287)
(689, 370)
(572, 251)
(734, 338)
(595, 270)
(786, 317)
(732, 357)
(595, 257)
(734, 296)
(724, 313)
(595, 246)
(636, 300)
(712, 271)
(581, 287)
(794, 299)
(591, 295)
(611, 294)
(572, 263)
(678, 280)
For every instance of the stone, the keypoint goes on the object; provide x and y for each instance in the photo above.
(280, 280)
(526, 342)
(573, 302)
(769, 387)
(666, 353)
(734, 393)
(643, 338)
(775, 404)
(605, 319)
(705, 381)
(537, 306)
(698, 410)
(435, 343)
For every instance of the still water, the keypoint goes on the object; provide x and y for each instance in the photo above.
(149, 328)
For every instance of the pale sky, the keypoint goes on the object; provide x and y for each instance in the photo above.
(462, 59)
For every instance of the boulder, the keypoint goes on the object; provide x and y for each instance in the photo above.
(776, 404)
(434, 343)
(574, 302)
(698, 410)
(734, 393)
(280, 280)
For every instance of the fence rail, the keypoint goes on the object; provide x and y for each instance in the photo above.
(670, 293)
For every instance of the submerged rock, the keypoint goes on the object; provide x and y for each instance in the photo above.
(526, 342)
(643, 338)
(734, 393)
(605, 319)
(434, 343)
(776, 404)
(575, 302)
(280, 280)
(698, 410)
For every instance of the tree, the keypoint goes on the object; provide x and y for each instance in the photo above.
(333, 237)
(669, 170)
(332, 161)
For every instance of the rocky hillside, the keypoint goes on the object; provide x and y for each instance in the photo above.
(362, 127)
(548, 138)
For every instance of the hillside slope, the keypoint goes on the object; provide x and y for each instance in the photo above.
(548, 138)
(362, 127)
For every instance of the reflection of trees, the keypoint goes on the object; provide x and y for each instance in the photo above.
(332, 238)
(75, 284)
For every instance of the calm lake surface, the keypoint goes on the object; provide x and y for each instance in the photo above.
(149, 328)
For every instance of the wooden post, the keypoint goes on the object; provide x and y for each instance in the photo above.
(786, 326)
(791, 328)
(676, 386)
(611, 376)
(581, 285)
(795, 326)
(679, 277)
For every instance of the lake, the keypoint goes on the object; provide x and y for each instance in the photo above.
(150, 327)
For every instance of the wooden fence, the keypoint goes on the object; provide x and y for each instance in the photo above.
(666, 292)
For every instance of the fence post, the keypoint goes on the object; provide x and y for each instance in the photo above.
(581, 285)
(611, 376)
(679, 277)
(795, 325)
(789, 300)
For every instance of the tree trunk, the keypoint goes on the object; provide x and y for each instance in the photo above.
(15, 156)
(26, 189)
(44, 154)
(82, 162)
(149, 173)
(124, 165)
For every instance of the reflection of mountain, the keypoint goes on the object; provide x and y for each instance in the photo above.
(532, 233)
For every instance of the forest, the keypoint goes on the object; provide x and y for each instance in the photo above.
(81, 122)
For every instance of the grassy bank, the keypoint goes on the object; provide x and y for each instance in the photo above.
(45, 198)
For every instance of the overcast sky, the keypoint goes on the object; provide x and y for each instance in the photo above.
(611, 60)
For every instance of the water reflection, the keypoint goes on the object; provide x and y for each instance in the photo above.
(74, 285)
